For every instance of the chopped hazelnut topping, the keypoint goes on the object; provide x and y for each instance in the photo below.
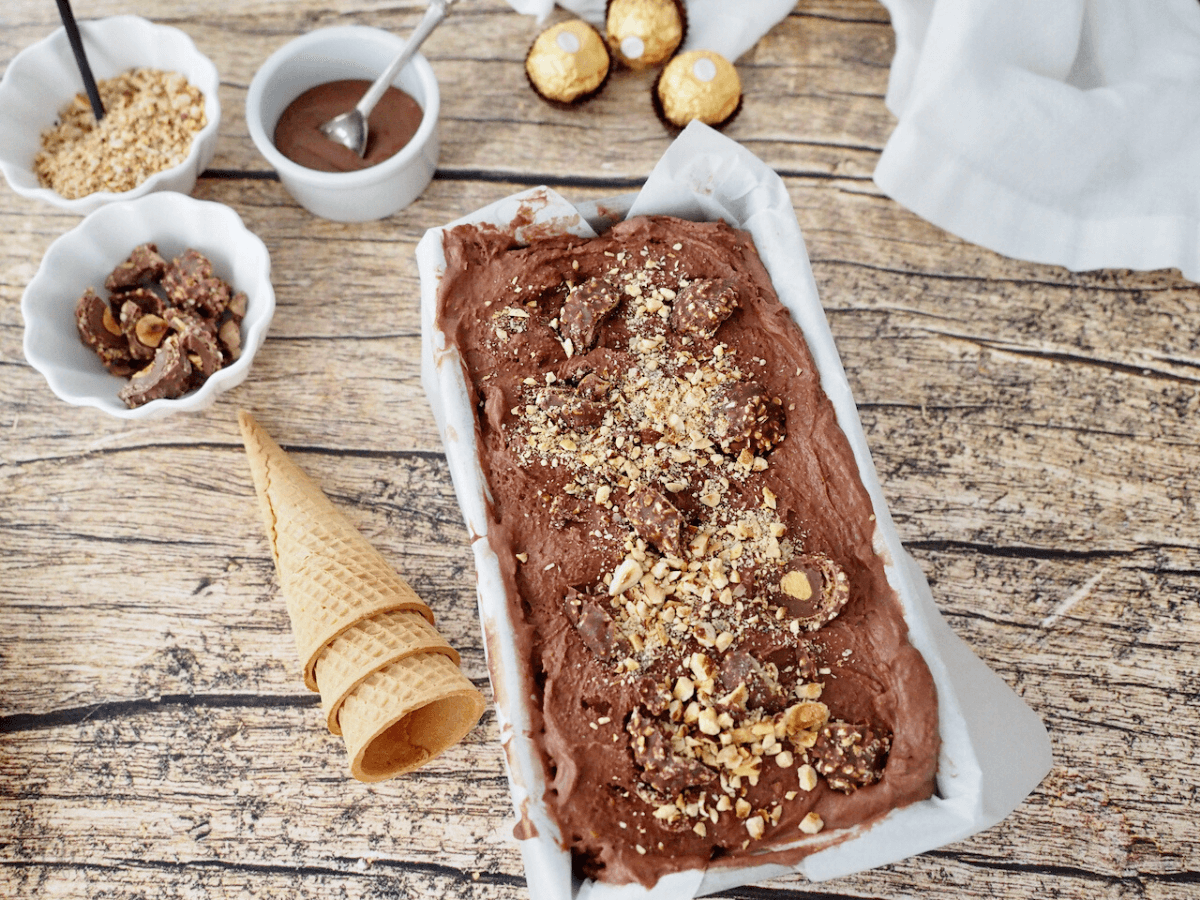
(811, 823)
(756, 826)
(151, 117)
(808, 777)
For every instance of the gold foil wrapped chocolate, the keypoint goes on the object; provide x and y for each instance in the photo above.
(698, 84)
(568, 62)
(644, 33)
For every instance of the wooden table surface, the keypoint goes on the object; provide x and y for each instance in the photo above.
(1036, 432)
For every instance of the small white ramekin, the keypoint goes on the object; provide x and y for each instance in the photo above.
(43, 78)
(332, 54)
(83, 258)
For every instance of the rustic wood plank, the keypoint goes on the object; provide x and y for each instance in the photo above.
(230, 799)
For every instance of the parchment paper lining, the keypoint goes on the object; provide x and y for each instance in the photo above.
(994, 748)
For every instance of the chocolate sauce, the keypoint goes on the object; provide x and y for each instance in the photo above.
(391, 125)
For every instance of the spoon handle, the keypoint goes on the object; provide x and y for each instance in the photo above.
(85, 70)
(433, 15)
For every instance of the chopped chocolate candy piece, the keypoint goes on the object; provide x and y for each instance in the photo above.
(653, 696)
(608, 364)
(785, 658)
(143, 297)
(198, 339)
(97, 327)
(143, 265)
(191, 285)
(565, 510)
(746, 419)
(807, 671)
(593, 387)
(656, 520)
(761, 681)
(665, 771)
(584, 311)
(237, 306)
(123, 366)
(850, 756)
(596, 627)
(702, 306)
(166, 377)
(568, 408)
(101, 331)
(814, 589)
(190, 268)
(230, 336)
(649, 437)
(144, 331)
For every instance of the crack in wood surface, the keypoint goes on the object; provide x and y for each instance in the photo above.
(115, 709)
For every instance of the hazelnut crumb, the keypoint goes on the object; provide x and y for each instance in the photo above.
(811, 824)
(808, 777)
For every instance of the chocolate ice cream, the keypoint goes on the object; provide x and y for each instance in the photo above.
(718, 663)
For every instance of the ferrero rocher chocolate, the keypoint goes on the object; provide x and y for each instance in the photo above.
(698, 84)
(568, 62)
(644, 33)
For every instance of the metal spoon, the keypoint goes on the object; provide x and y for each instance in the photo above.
(350, 128)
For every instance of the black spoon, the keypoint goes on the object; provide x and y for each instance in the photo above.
(89, 83)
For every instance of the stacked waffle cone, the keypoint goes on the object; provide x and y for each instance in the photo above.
(390, 684)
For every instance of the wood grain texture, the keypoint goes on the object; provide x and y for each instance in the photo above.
(1036, 432)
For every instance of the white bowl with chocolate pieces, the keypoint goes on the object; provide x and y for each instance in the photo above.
(159, 131)
(149, 307)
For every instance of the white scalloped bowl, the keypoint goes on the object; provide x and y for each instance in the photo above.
(85, 255)
(43, 78)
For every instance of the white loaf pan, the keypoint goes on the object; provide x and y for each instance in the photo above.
(994, 749)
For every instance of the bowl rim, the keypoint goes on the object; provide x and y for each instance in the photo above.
(204, 137)
(259, 314)
(288, 169)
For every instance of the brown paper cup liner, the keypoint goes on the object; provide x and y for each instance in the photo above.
(330, 574)
(407, 713)
(368, 646)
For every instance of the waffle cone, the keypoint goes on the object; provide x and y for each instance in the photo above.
(405, 714)
(331, 577)
(368, 646)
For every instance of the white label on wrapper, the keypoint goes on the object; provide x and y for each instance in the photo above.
(633, 47)
(704, 69)
(568, 42)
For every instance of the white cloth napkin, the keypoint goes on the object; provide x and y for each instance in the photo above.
(719, 25)
(1063, 132)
